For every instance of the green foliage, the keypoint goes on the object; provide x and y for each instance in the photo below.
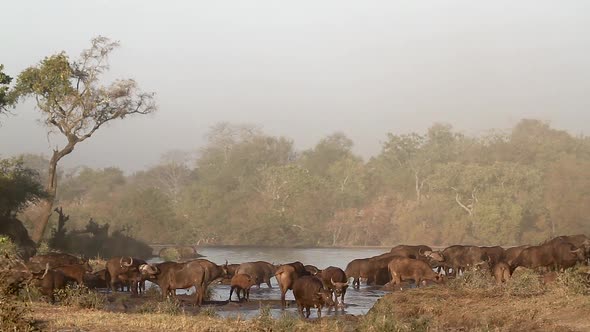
(6, 98)
(7, 247)
(19, 186)
(438, 187)
(170, 254)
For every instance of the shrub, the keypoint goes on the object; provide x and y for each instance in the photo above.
(7, 247)
(80, 297)
(474, 280)
(169, 254)
(380, 318)
(170, 306)
(575, 281)
(524, 283)
(44, 248)
(14, 315)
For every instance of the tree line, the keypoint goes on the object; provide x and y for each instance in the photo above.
(440, 187)
(247, 187)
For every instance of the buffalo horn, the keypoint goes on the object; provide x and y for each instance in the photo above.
(46, 270)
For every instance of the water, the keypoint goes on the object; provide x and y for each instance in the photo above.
(358, 301)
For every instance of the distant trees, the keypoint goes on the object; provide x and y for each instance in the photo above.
(438, 187)
(73, 102)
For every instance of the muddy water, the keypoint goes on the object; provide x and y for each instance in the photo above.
(358, 302)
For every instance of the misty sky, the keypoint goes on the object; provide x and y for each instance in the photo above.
(306, 69)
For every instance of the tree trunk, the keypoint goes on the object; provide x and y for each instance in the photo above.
(51, 188)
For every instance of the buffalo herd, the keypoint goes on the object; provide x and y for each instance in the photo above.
(311, 286)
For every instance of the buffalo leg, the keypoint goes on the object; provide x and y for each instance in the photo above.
(307, 312)
(300, 309)
(231, 291)
(320, 311)
(267, 283)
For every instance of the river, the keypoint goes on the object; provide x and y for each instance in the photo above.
(358, 301)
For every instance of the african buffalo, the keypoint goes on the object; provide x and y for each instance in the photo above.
(121, 269)
(260, 271)
(410, 251)
(510, 254)
(556, 254)
(286, 275)
(335, 280)
(309, 292)
(49, 282)
(495, 254)
(241, 283)
(403, 268)
(57, 259)
(357, 269)
(312, 269)
(501, 272)
(460, 257)
(172, 276)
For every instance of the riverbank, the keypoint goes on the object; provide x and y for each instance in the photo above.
(471, 304)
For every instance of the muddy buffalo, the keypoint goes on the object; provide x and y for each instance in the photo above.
(554, 254)
(261, 271)
(357, 269)
(309, 292)
(404, 268)
(241, 283)
(335, 280)
(172, 276)
(286, 276)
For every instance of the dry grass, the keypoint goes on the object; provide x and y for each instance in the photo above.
(473, 303)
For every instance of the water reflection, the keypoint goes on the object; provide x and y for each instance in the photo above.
(358, 301)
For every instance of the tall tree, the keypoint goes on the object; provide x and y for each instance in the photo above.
(73, 101)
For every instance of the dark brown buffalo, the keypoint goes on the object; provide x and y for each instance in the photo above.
(556, 255)
(510, 254)
(580, 241)
(495, 254)
(335, 280)
(241, 283)
(312, 269)
(309, 292)
(460, 257)
(74, 272)
(121, 269)
(231, 270)
(214, 271)
(172, 276)
(286, 276)
(57, 259)
(501, 272)
(410, 251)
(404, 268)
(357, 269)
(378, 273)
(49, 282)
(261, 271)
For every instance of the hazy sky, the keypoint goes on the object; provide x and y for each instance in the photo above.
(305, 69)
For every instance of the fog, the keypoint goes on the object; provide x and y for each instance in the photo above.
(305, 69)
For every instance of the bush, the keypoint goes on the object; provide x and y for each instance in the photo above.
(524, 283)
(170, 254)
(380, 318)
(7, 247)
(474, 280)
(575, 281)
(170, 306)
(80, 297)
(14, 315)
